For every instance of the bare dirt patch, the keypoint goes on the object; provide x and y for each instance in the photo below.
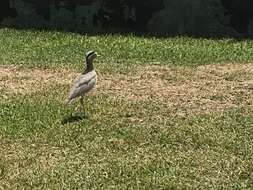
(201, 89)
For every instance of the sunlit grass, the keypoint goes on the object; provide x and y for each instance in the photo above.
(121, 143)
(109, 149)
(55, 49)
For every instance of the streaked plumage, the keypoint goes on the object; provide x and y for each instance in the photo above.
(85, 81)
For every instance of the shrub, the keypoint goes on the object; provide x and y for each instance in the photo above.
(187, 17)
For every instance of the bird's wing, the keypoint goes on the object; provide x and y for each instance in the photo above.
(82, 84)
(85, 78)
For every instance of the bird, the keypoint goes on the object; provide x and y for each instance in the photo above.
(85, 81)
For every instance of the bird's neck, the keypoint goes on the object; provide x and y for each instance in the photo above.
(89, 66)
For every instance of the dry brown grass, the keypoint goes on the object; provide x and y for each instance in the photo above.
(24, 81)
(202, 89)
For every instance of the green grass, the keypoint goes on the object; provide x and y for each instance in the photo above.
(55, 49)
(108, 150)
(121, 143)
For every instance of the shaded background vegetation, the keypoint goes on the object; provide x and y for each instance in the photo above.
(200, 18)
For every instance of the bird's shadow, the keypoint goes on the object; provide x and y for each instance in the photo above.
(73, 118)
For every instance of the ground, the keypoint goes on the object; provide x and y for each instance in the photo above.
(168, 113)
(179, 93)
(184, 90)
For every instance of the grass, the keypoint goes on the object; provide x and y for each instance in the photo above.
(55, 49)
(109, 150)
(122, 143)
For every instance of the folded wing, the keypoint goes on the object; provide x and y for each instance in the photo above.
(82, 84)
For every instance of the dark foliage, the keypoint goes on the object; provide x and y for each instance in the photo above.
(241, 13)
(6, 10)
(135, 15)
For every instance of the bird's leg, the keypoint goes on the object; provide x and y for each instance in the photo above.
(82, 104)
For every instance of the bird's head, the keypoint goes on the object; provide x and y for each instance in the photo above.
(90, 56)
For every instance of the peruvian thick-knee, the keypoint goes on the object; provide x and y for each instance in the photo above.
(85, 81)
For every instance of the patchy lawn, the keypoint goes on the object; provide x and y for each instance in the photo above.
(161, 117)
(156, 127)
(204, 89)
